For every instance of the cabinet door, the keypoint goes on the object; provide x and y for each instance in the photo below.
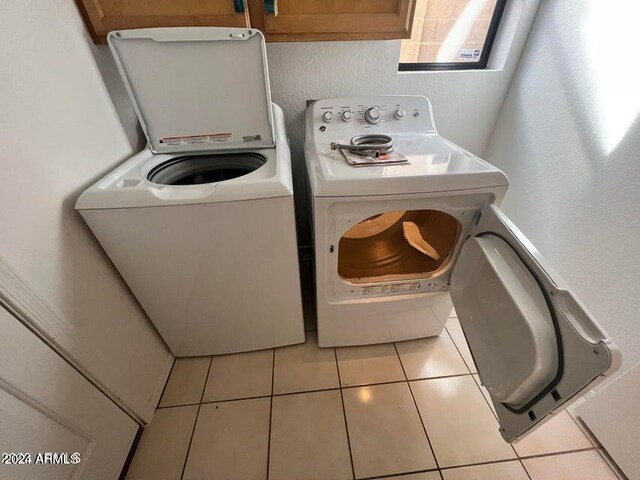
(102, 16)
(300, 20)
(47, 407)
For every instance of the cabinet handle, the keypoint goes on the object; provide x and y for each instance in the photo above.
(238, 6)
(271, 7)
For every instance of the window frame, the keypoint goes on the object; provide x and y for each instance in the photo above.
(481, 64)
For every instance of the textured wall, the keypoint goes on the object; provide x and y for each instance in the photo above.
(568, 137)
(65, 121)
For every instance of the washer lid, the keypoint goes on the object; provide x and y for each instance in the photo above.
(197, 88)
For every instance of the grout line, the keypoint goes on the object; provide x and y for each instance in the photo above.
(478, 386)
(132, 452)
(165, 407)
(298, 392)
(479, 464)
(401, 475)
(273, 375)
(405, 379)
(524, 468)
(551, 454)
(173, 365)
(458, 349)
(193, 430)
(344, 414)
(584, 428)
(613, 466)
(415, 404)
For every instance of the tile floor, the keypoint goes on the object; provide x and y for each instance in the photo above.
(406, 411)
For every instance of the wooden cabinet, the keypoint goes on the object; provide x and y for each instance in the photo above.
(102, 16)
(279, 20)
(308, 20)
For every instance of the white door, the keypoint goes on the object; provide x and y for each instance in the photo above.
(48, 408)
(535, 345)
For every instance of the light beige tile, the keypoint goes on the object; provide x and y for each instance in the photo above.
(429, 30)
(240, 375)
(444, 31)
(385, 431)
(309, 438)
(421, 8)
(444, 8)
(491, 471)
(560, 434)
(230, 441)
(584, 429)
(163, 447)
(416, 30)
(369, 364)
(485, 392)
(455, 330)
(571, 410)
(417, 476)
(587, 465)
(409, 51)
(428, 52)
(303, 367)
(459, 423)
(489, 7)
(480, 30)
(186, 381)
(431, 357)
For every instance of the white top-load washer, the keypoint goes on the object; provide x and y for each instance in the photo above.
(394, 243)
(201, 223)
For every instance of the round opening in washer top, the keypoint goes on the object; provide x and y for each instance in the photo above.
(199, 169)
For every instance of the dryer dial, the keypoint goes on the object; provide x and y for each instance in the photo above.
(373, 115)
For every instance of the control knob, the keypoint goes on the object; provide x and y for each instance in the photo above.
(399, 113)
(347, 116)
(327, 116)
(373, 115)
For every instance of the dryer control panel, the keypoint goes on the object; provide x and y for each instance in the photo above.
(343, 118)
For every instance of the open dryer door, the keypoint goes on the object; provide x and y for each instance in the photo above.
(535, 345)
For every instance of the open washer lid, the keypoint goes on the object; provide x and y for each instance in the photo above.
(197, 88)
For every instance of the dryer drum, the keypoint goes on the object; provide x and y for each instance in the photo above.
(199, 169)
(397, 245)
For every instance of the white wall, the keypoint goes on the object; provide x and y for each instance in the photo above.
(568, 137)
(465, 103)
(65, 120)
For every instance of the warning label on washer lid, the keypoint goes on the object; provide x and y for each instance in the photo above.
(196, 139)
(252, 138)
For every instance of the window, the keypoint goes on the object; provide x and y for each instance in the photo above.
(451, 34)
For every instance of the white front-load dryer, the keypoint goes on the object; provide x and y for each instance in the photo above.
(201, 223)
(396, 244)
